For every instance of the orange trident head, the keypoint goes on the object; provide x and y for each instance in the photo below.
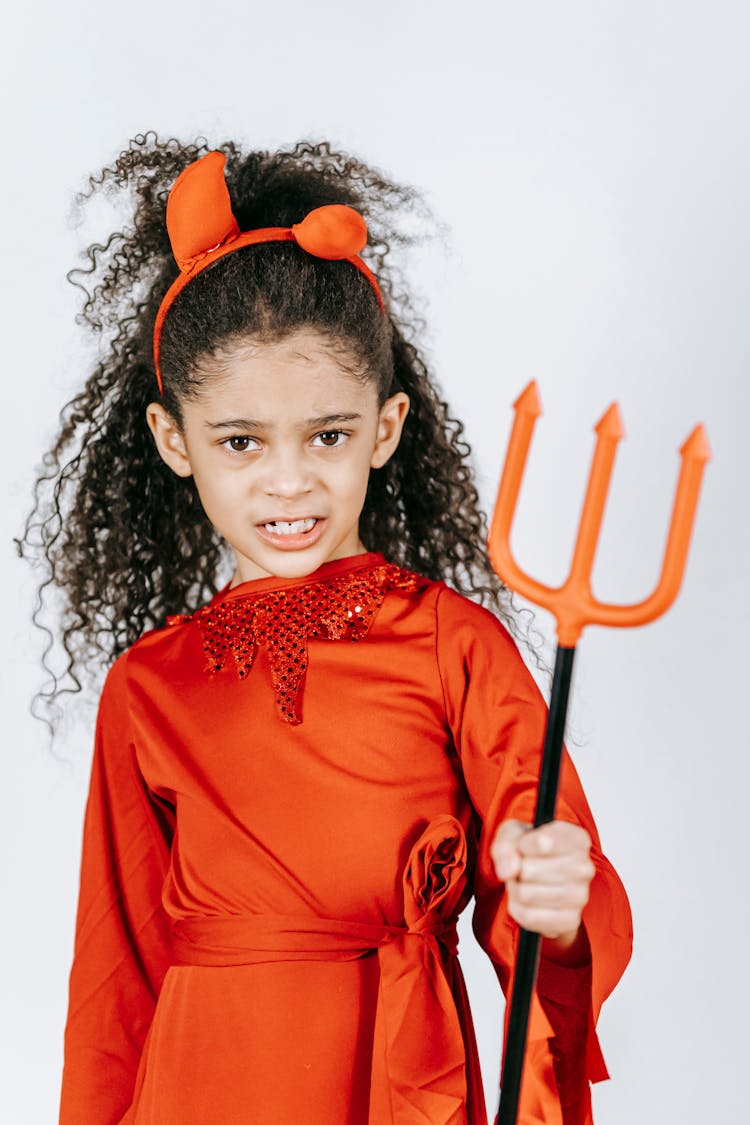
(573, 603)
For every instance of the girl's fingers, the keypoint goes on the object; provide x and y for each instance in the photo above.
(547, 872)
(504, 850)
(547, 922)
(555, 854)
(556, 869)
(560, 896)
(559, 837)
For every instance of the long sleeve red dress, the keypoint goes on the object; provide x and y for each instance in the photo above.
(292, 796)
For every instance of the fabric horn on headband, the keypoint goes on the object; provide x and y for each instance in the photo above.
(202, 228)
(199, 211)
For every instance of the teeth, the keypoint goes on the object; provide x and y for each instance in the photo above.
(281, 527)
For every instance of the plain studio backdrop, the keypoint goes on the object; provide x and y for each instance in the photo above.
(589, 164)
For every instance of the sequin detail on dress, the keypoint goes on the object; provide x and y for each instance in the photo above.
(342, 608)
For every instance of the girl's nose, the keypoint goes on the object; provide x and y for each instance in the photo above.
(286, 476)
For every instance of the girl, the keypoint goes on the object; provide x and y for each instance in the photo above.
(300, 777)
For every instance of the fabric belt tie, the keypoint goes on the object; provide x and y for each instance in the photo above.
(425, 1064)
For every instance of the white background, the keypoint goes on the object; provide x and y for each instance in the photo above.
(591, 162)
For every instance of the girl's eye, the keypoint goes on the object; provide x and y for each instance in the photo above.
(238, 444)
(331, 438)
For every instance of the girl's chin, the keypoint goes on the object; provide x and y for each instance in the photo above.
(289, 562)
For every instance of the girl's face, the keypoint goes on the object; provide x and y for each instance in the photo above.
(280, 443)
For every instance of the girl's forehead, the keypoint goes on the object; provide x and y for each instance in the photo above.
(299, 374)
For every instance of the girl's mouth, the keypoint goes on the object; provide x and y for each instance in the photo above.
(292, 535)
(295, 527)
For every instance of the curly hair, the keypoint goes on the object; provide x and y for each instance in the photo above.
(123, 538)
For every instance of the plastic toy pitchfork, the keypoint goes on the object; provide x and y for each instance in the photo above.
(574, 607)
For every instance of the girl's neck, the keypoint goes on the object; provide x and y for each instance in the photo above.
(327, 570)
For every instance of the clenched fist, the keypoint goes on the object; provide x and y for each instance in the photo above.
(547, 872)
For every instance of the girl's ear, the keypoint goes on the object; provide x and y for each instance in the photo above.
(169, 439)
(390, 424)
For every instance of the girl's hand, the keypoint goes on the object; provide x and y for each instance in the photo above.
(547, 872)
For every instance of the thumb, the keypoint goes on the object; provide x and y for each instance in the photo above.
(504, 849)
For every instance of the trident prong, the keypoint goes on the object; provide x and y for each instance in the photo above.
(573, 603)
(574, 607)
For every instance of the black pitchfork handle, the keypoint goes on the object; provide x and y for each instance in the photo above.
(527, 957)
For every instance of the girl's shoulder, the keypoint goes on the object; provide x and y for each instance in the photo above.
(155, 649)
(465, 619)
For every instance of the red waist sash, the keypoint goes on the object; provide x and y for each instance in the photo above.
(425, 1063)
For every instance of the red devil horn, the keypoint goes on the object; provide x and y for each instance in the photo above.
(199, 211)
(332, 231)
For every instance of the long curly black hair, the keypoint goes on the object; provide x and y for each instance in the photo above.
(122, 538)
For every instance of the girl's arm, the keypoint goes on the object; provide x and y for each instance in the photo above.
(122, 937)
(497, 717)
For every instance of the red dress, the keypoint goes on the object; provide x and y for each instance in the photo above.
(292, 796)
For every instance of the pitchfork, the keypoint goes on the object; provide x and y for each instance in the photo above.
(574, 607)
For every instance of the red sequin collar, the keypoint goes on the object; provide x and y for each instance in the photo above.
(338, 608)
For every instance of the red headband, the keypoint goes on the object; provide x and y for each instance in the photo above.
(203, 229)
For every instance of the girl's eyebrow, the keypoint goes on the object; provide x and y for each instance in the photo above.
(257, 424)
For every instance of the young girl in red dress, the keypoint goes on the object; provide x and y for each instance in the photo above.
(300, 777)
